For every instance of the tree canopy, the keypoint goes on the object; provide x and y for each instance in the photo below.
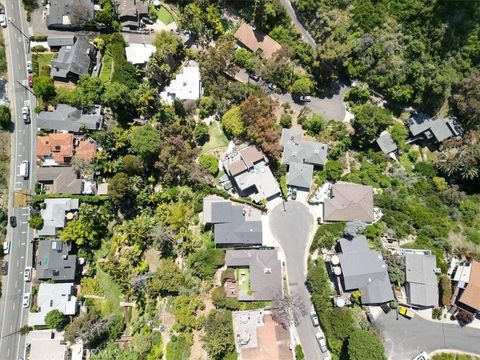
(363, 344)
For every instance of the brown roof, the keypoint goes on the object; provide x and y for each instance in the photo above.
(85, 149)
(471, 295)
(237, 167)
(251, 155)
(256, 40)
(58, 146)
(349, 202)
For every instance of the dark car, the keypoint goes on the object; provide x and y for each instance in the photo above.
(2, 9)
(13, 221)
(30, 80)
(386, 309)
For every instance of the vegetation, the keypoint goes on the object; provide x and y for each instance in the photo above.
(363, 344)
(55, 320)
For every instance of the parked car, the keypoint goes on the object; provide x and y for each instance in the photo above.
(3, 20)
(314, 317)
(29, 66)
(254, 77)
(6, 247)
(26, 114)
(294, 194)
(273, 87)
(422, 356)
(30, 80)
(27, 274)
(321, 342)
(305, 98)
(386, 309)
(26, 300)
(13, 221)
(2, 9)
(409, 314)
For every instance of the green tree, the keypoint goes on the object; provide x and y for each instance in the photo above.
(80, 232)
(55, 319)
(201, 133)
(117, 96)
(303, 86)
(167, 280)
(363, 344)
(36, 222)
(43, 87)
(209, 163)
(466, 101)
(145, 141)
(5, 118)
(119, 187)
(357, 95)
(314, 125)
(219, 297)
(185, 309)
(232, 122)
(299, 355)
(286, 121)
(333, 170)
(205, 262)
(218, 339)
(132, 164)
(368, 123)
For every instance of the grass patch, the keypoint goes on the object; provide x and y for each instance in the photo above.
(107, 64)
(42, 60)
(327, 235)
(243, 277)
(218, 141)
(162, 14)
(112, 293)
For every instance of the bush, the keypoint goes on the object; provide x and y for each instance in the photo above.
(426, 169)
(314, 125)
(299, 355)
(333, 170)
(36, 222)
(232, 122)
(5, 118)
(209, 163)
(219, 297)
(286, 121)
(363, 344)
(445, 290)
(55, 320)
(228, 274)
(39, 48)
(357, 95)
(437, 313)
(205, 262)
(327, 234)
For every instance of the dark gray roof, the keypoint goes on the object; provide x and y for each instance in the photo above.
(69, 13)
(300, 175)
(76, 59)
(418, 123)
(422, 285)
(69, 118)
(309, 152)
(54, 261)
(132, 7)
(231, 226)
(291, 135)
(386, 143)
(364, 269)
(61, 40)
(265, 272)
(64, 179)
(443, 129)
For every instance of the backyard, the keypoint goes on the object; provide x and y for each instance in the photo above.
(243, 276)
(43, 61)
(106, 70)
(218, 141)
(162, 14)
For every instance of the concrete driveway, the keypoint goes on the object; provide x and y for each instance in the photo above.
(293, 226)
(405, 338)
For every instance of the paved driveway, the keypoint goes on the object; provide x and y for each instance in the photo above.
(405, 338)
(292, 226)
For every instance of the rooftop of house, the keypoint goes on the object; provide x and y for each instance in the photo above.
(231, 224)
(75, 59)
(364, 269)
(132, 7)
(85, 149)
(300, 175)
(440, 129)
(54, 149)
(421, 279)
(69, 12)
(61, 40)
(386, 143)
(58, 296)
(54, 261)
(46, 344)
(186, 85)
(291, 135)
(265, 273)
(60, 179)
(69, 118)
(349, 202)
(53, 214)
(308, 152)
(471, 294)
(139, 54)
(256, 40)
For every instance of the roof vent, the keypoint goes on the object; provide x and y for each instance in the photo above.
(316, 151)
(267, 271)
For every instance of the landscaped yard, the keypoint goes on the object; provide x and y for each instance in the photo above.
(42, 60)
(106, 70)
(163, 14)
(218, 141)
(243, 278)
(112, 293)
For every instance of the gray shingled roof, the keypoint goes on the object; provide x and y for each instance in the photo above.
(418, 123)
(422, 285)
(231, 226)
(443, 129)
(69, 118)
(291, 135)
(364, 269)
(309, 152)
(63, 179)
(53, 214)
(69, 13)
(76, 59)
(300, 175)
(386, 143)
(54, 261)
(61, 40)
(265, 272)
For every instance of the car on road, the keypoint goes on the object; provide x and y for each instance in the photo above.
(3, 21)
(27, 274)
(29, 66)
(26, 114)
(406, 312)
(305, 98)
(30, 80)
(294, 194)
(321, 342)
(2, 9)
(6, 247)
(273, 87)
(13, 221)
(26, 300)
(314, 317)
(24, 169)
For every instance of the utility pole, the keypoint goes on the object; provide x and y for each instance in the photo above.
(27, 38)
(26, 87)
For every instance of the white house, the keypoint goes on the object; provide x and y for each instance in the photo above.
(186, 85)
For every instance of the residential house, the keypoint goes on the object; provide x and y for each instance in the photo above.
(301, 157)
(69, 118)
(386, 144)
(59, 180)
(349, 202)
(59, 296)
(68, 14)
(258, 273)
(47, 344)
(186, 86)
(139, 54)
(259, 337)
(130, 12)
(421, 283)
(73, 61)
(234, 225)
(365, 270)
(85, 149)
(55, 42)
(423, 127)
(469, 298)
(55, 213)
(54, 149)
(54, 261)
(248, 170)
(254, 40)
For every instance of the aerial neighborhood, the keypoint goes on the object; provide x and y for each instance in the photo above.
(252, 180)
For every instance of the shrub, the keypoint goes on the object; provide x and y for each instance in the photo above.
(327, 234)
(445, 290)
(201, 133)
(314, 124)
(228, 274)
(209, 163)
(426, 169)
(55, 320)
(357, 95)
(39, 48)
(232, 122)
(333, 170)
(437, 313)
(36, 222)
(299, 355)
(219, 297)
(286, 121)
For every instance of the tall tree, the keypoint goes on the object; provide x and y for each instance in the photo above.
(466, 101)
(218, 339)
(368, 123)
(363, 344)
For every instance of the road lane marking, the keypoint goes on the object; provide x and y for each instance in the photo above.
(18, 262)
(16, 284)
(13, 307)
(24, 222)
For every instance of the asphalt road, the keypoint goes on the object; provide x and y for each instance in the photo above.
(405, 338)
(292, 227)
(298, 24)
(12, 345)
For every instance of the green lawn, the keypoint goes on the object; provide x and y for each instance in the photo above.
(106, 70)
(243, 280)
(163, 14)
(218, 141)
(42, 60)
(111, 291)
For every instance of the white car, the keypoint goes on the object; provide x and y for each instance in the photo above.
(29, 66)
(314, 317)
(6, 247)
(26, 300)
(3, 21)
(321, 342)
(27, 274)
(26, 114)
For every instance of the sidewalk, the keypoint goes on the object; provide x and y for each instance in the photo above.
(427, 315)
